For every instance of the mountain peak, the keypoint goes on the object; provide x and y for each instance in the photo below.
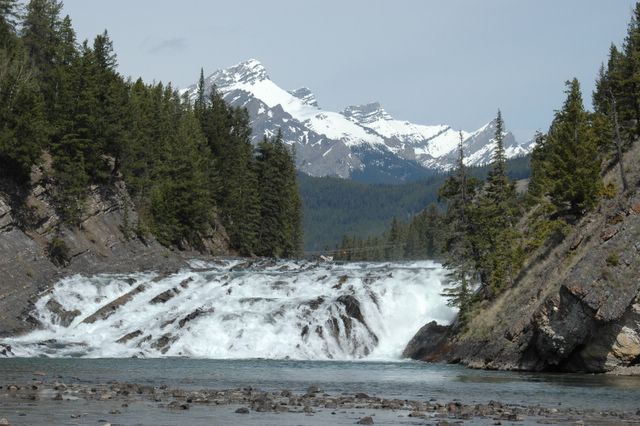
(249, 72)
(367, 113)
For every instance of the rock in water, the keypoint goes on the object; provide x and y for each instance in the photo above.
(242, 410)
(426, 343)
(368, 420)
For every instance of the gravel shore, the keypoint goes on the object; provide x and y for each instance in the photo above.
(45, 401)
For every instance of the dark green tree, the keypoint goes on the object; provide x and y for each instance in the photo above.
(495, 238)
(200, 102)
(573, 162)
(459, 190)
(239, 198)
(181, 204)
(9, 10)
(280, 231)
(41, 39)
(23, 127)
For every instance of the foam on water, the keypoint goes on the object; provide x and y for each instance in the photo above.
(242, 309)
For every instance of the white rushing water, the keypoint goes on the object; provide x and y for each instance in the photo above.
(241, 309)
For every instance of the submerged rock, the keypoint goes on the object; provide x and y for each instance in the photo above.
(109, 309)
(129, 336)
(65, 318)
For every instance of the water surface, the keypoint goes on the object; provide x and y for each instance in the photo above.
(404, 380)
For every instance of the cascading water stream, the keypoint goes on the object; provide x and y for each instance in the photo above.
(241, 309)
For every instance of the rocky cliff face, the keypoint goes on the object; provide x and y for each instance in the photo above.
(576, 307)
(102, 243)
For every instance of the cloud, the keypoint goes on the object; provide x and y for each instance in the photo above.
(167, 45)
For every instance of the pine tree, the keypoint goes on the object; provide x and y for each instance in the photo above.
(41, 38)
(8, 21)
(499, 189)
(23, 127)
(628, 78)
(461, 255)
(70, 177)
(109, 113)
(495, 239)
(573, 162)
(181, 203)
(272, 220)
(67, 57)
(394, 247)
(239, 198)
(293, 204)
(280, 233)
(538, 182)
(200, 102)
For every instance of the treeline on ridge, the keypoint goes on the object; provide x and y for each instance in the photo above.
(187, 163)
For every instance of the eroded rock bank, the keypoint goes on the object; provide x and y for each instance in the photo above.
(37, 249)
(574, 307)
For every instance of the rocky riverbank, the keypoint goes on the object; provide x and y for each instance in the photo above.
(574, 307)
(119, 402)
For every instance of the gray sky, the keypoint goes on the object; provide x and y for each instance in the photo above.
(426, 61)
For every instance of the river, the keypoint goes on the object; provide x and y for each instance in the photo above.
(270, 326)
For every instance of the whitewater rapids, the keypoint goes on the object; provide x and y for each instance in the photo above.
(234, 309)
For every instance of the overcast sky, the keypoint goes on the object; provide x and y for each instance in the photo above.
(426, 61)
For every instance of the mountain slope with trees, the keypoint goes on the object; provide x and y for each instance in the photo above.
(548, 280)
(357, 218)
(189, 165)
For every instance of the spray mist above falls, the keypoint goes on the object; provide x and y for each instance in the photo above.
(241, 309)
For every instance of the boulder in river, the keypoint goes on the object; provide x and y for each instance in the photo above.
(427, 342)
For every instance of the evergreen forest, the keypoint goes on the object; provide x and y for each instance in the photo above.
(188, 164)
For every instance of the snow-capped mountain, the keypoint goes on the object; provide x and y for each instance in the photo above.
(361, 139)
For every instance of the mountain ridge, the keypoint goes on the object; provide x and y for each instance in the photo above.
(360, 139)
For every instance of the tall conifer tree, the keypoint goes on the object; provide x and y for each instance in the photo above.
(573, 161)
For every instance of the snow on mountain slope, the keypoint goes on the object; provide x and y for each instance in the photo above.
(251, 77)
(339, 144)
(376, 118)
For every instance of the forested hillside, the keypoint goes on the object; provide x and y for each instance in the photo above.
(547, 280)
(189, 167)
(339, 210)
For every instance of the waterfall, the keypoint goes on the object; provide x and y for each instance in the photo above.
(240, 309)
